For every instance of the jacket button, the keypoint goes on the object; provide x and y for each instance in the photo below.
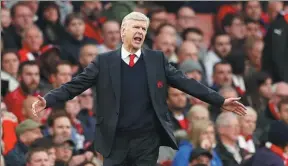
(117, 113)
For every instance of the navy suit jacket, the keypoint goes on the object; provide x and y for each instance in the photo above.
(104, 72)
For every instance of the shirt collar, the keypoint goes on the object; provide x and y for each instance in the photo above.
(125, 53)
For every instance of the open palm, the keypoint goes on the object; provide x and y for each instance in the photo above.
(38, 105)
(233, 105)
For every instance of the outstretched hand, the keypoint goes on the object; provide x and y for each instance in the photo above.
(233, 105)
(38, 105)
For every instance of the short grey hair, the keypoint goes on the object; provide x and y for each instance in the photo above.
(227, 89)
(225, 118)
(137, 16)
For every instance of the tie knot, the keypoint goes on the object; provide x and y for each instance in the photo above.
(132, 56)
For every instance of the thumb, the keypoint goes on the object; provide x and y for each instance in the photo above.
(41, 98)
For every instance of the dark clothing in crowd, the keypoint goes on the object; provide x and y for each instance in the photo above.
(16, 157)
(11, 39)
(88, 122)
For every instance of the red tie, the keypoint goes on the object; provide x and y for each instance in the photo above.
(131, 62)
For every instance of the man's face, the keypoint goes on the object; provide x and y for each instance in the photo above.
(157, 19)
(10, 63)
(64, 74)
(237, 30)
(202, 159)
(33, 40)
(255, 53)
(232, 130)
(88, 53)
(265, 89)
(111, 34)
(76, 28)
(186, 18)
(195, 38)
(208, 134)
(284, 113)
(5, 18)
(62, 126)
(23, 17)
(51, 14)
(199, 115)
(223, 45)
(229, 94)
(188, 50)
(52, 156)
(30, 136)
(133, 33)
(253, 10)
(196, 75)
(281, 91)
(168, 30)
(222, 75)
(30, 77)
(39, 159)
(86, 99)
(253, 30)
(72, 107)
(64, 152)
(176, 99)
(248, 124)
(165, 43)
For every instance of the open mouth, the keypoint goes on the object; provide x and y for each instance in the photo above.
(138, 39)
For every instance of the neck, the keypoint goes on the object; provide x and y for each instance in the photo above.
(130, 49)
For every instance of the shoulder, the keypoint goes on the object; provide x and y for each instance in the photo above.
(150, 51)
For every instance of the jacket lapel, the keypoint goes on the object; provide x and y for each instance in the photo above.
(115, 72)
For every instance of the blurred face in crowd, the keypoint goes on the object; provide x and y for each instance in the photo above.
(33, 5)
(237, 30)
(187, 50)
(72, 107)
(86, 99)
(283, 110)
(87, 54)
(202, 159)
(185, 18)
(248, 123)
(199, 115)
(222, 74)
(33, 39)
(255, 53)
(89, 7)
(51, 156)
(253, 10)
(133, 34)
(222, 46)
(27, 109)
(274, 7)
(196, 38)
(253, 30)
(196, 75)
(265, 89)
(23, 17)
(231, 130)
(30, 77)
(76, 28)
(10, 63)
(176, 99)
(39, 159)
(280, 92)
(5, 18)
(157, 19)
(228, 93)
(30, 136)
(63, 75)
(51, 14)
(208, 134)
(62, 126)
(64, 152)
(168, 30)
(165, 43)
(194, 101)
(111, 34)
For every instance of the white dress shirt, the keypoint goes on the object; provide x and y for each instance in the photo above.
(125, 55)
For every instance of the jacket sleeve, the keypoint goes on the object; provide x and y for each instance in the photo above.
(76, 86)
(177, 79)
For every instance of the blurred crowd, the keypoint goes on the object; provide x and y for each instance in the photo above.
(45, 44)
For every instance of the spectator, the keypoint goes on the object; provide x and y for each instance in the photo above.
(234, 26)
(228, 127)
(167, 29)
(222, 75)
(247, 140)
(27, 109)
(185, 19)
(111, 36)
(27, 132)
(283, 110)
(234, 7)
(22, 18)
(33, 5)
(5, 19)
(220, 48)
(71, 45)
(274, 151)
(31, 44)
(28, 76)
(176, 102)
(37, 156)
(62, 75)
(47, 145)
(10, 65)
(187, 50)
(50, 22)
(200, 156)
(167, 44)
(197, 37)
(198, 112)
(64, 148)
(273, 9)
(192, 69)
(87, 53)
(253, 29)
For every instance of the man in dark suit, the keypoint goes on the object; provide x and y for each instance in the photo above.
(131, 83)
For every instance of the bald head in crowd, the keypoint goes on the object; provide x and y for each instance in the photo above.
(187, 50)
(279, 90)
(32, 38)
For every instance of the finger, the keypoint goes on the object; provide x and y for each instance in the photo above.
(240, 105)
(41, 98)
(241, 111)
(235, 99)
